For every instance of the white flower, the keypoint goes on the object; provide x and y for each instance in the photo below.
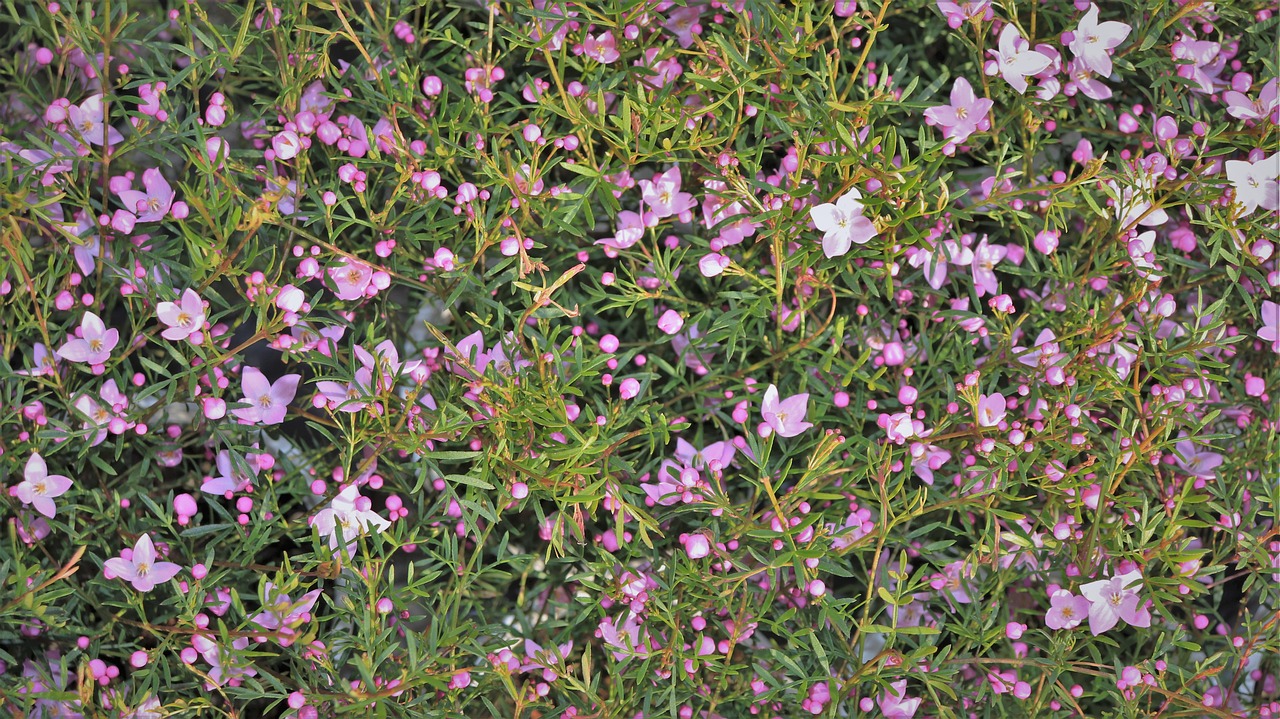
(1256, 183)
(348, 516)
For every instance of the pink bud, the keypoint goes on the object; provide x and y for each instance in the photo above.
(216, 147)
(713, 264)
(286, 144)
(290, 298)
(670, 322)
(1046, 241)
(214, 408)
(1166, 128)
(697, 546)
(432, 86)
(894, 354)
(184, 504)
(629, 388)
(1254, 386)
(215, 115)
(123, 221)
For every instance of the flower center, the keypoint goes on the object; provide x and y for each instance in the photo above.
(95, 345)
(264, 401)
(962, 113)
(184, 319)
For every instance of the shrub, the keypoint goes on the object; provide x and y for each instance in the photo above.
(625, 359)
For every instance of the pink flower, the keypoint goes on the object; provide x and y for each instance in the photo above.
(1094, 41)
(935, 262)
(1110, 601)
(1066, 610)
(185, 320)
(966, 114)
(1142, 254)
(958, 13)
(384, 362)
(94, 344)
(1014, 61)
(662, 195)
(348, 397)
(682, 23)
(231, 477)
(348, 516)
(141, 569)
(268, 403)
(1197, 462)
(927, 459)
(991, 410)
(953, 580)
(842, 223)
(44, 363)
(985, 258)
(602, 48)
(223, 666)
(629, 231)
(154, 204)
(1270, 330)
(1240, 106)
(282, 615)
(894, 703)
(471, 350)
(89, 119)
(785, 417)
(38, 487)
(1081, 79)
(624, 640)
(351, 279)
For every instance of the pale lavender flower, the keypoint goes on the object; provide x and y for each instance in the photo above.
(785, 417)
(1015, 62)
(184, 319)
(94, 344)
(38, 488)
(268, 402)
(1093, 41)
(1066, 610)
(842, 223)
(141, 569)
(1111, 600)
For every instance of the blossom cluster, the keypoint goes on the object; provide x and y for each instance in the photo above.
(902, 358)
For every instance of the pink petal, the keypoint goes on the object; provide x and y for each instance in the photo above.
(254, 383)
